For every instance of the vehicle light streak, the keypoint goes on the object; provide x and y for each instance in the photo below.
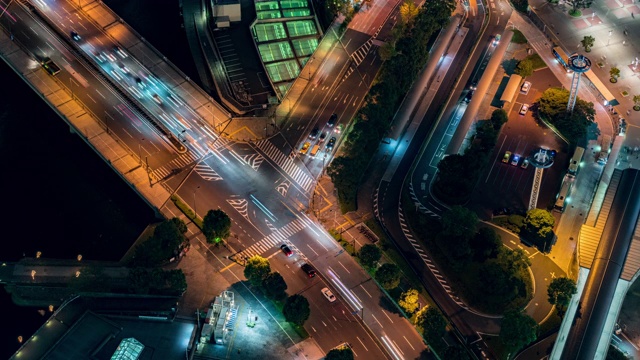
(263, 208)
(391, 347)
(356, 305)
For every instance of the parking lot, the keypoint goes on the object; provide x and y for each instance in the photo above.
(508, 185)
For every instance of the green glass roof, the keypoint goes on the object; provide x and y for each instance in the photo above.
(128, 349)
(301, 28)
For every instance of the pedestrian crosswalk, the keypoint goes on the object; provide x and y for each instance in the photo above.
(206, 172)
(300, 176)
(275, 239)
(180, 162)
(359, 55)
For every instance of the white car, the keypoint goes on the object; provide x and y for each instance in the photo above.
(523, 109)
(328, 294)
(496, 40)
(525, 87)
(157, 99)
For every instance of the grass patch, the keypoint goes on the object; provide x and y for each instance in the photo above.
(551, 325)
(575, 12)
(497, 347)
(536, 61)
(186, 210)
(512, 223)
(518, 37)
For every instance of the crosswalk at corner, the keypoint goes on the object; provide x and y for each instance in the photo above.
(285, 162)
(275, 239)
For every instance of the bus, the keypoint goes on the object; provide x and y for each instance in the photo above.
(574, 165)
(563, 195)
(603, 93)
(562, 58)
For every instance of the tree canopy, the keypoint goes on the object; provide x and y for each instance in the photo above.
(560, 291)
(517, 330)
(216, 226)
(409, 301)
(455, 353)
(524, 68)
(274, 286)
(257, 270)
(552, 107)
(486, 244)
(165, 243)
(388, 275)
(369, 255)
(432, 323)
(344, 353)
(538, 227)
(296, 309)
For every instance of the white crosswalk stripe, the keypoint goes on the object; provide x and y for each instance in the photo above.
(274, 239)
(181, 161)
(206, 172)
(289, 166)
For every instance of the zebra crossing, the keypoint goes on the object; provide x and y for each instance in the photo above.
(427, 260)
(358, 56)
(286, 163)
(181, 161)
(206, 172)
(418, 204)
(274, 239)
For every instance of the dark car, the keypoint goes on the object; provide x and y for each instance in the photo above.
(314, 133)
(323, 136)
(469, 95)
(286, 250)
(332, 120)
(309, 270)
(331, 143)
(75, 36)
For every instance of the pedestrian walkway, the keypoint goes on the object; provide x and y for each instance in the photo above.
(286, 163)
(276, 239)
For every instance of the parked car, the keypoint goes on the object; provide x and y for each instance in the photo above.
(515, 159)
(506, 157)
(332, 120)
(328, 294)
(523, 109)
(75, 36)
(309, 270)
(338, 129)
(331, 144)
(525, 87)
(525, 163)
(314, 133)
(286, 250)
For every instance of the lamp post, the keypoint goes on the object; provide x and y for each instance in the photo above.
(140, 150)
(195, 212)
(609, 39)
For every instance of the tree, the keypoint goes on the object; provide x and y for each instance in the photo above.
(369, 255)
(538, 226)
(459, 222)
(636, 102)
(498, 118)
(517, 330)
(180, 225)
(388, 275)
(524, 68)
(486, 244)
(257, 270)
(513, 261)
(274, 286)
(387, 50)
(433, 324)
(344, 353)
(161, 246)
(408, 12)
(455, 353)
(615, 73)
(588, 42)
(216, 226)
(409, 301)
(521, 5)
(560, 292)
(576, 5)
(296, 309)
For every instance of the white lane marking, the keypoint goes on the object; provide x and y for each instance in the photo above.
(345, 269)
(99, 93)
(376, 319)
(407, 340)
(385, 314)
(312, 250)
(365, 290)
(363, 345)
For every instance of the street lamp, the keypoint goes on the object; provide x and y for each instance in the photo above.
(195, 212)
(140, 151)
(609, 39)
